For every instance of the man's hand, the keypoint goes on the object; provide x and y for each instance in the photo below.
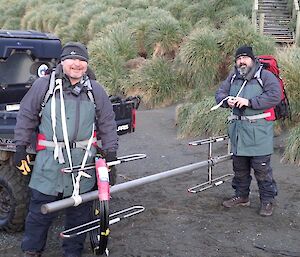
(238, 102)
(231, 102)
(22, 160)
(109, 157)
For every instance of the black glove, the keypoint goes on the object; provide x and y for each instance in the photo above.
(112, 175)
(22, 160)
(109, 157)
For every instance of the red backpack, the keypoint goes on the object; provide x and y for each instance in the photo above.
(281, 110)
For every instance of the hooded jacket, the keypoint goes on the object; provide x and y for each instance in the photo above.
(81, 113)
(255, 137)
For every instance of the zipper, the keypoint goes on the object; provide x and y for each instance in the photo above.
(77, 118)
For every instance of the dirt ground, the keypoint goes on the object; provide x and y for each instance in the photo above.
(178, 223)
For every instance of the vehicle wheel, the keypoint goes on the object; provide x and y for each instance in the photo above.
(14, 198)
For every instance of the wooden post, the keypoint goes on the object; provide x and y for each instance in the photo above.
(254, 14)
(297, 29)
(296, 13)
(261, 23)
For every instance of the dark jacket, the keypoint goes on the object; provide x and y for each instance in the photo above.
(253, 138)
(81, 113)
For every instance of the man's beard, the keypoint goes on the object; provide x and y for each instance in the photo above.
(243, 70)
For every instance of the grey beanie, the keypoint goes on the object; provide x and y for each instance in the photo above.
(74, 50)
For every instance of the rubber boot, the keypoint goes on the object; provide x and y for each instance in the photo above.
(32, 254)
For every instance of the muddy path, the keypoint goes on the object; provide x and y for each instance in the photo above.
(177, 223)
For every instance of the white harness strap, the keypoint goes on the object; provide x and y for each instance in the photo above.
(57, 148)
(58, 154)
(250, 117)
(75, 195)
(229, 97)
(242, 87)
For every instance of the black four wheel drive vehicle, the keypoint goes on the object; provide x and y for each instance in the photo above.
(25, 56)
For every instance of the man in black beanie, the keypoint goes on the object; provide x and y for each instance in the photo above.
(76, 108)
(74, 50)
(250, 91)
(244, 59)
(245, 51)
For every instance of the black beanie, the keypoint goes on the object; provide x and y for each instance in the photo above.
(74, 50)
(244, 51)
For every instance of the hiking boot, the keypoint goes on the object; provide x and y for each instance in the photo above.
(32, 254)
(236, 201)
(266, 209)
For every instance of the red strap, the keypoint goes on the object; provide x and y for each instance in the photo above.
(272, 117)
(95, 136)
(38, 146)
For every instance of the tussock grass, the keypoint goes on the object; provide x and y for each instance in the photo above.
(196, 11)
(239, 31)
(196, 119)
(11, 13)
(289, 62)
(79, 28)
(26, 21)
(100, 21)
(154, 25)
(226, 9)
(166, 31)
(138, 4)
(12, 23)
(218, 12)
(107, 64)
(122, 37)
(155, 82)
(176, 8)
(199, 59)
(292, 151)
(110, 50)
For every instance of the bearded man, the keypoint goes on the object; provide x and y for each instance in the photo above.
(250, 128)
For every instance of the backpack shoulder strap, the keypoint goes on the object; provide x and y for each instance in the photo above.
(232, 78)
(89, 88)
(243, 85)
(257, 75)
(49, 91)
(90, 93)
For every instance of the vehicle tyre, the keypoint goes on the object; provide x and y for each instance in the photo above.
(14, 198)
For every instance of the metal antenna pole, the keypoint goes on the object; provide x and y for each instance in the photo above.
(209, 158)
(68, 202)
(210, 183)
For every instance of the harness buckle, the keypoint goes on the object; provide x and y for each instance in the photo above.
(73, 145)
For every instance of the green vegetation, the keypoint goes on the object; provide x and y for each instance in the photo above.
(195, 119)
(289, 61)
(155, 81)
(292, 152)
(199, 59)
(167, 51)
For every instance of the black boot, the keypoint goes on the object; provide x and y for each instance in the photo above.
(32, 254)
